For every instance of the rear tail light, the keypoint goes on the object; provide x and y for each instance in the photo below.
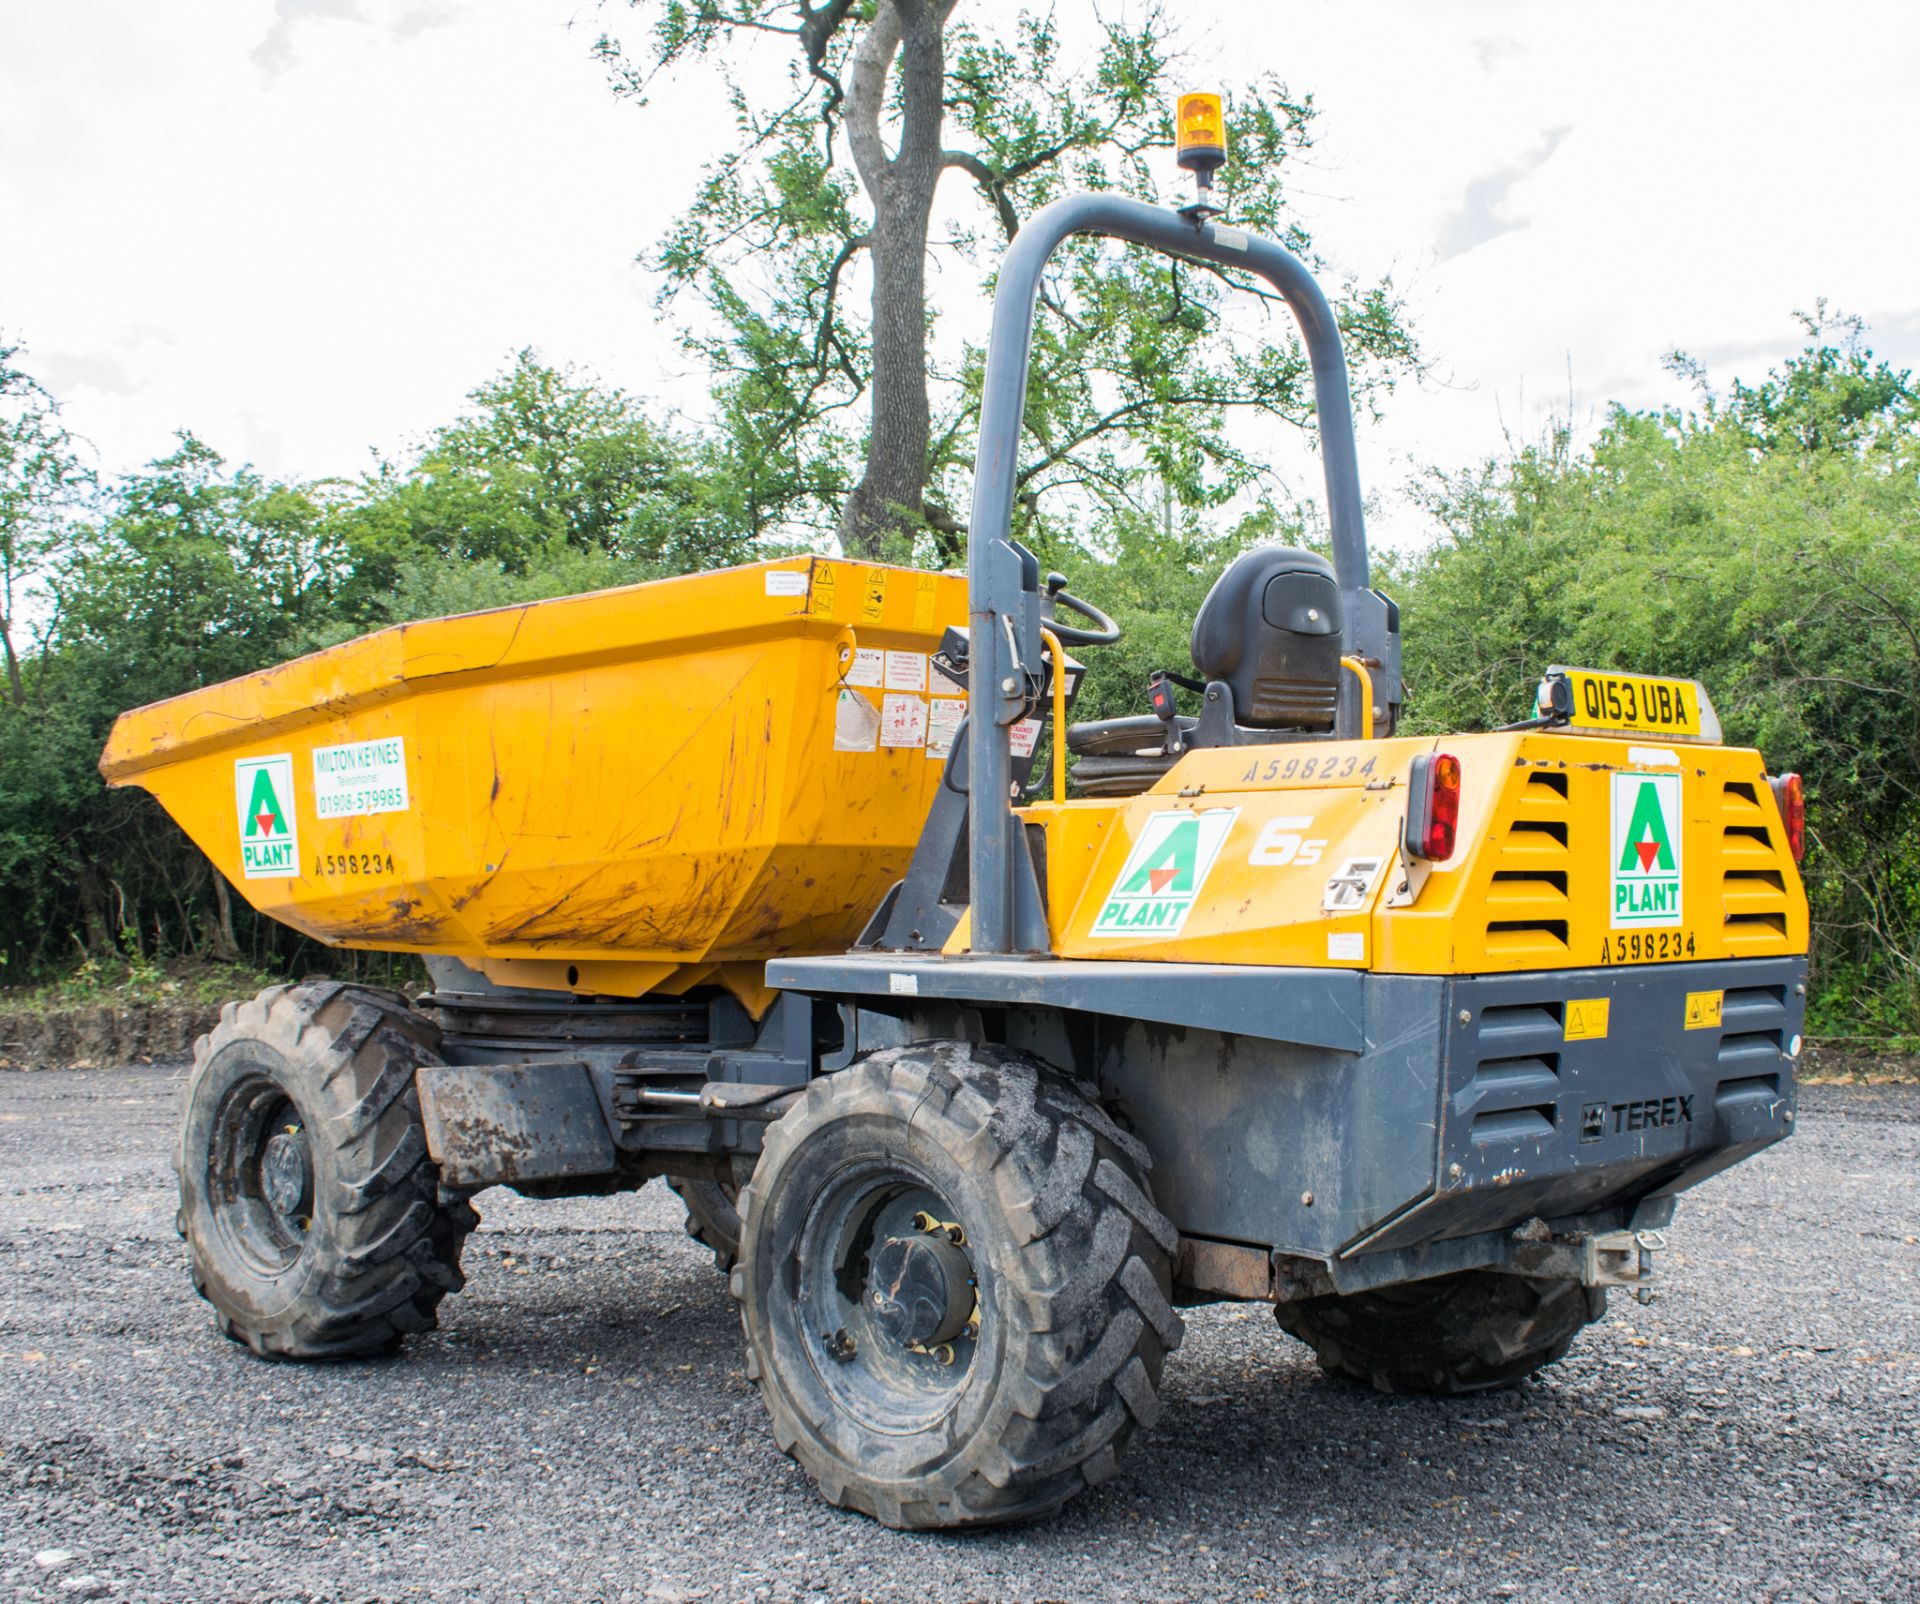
(1433, 807)
(1793, 812)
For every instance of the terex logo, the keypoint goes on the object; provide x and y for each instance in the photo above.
(1650, 1113)
(1643, 1114)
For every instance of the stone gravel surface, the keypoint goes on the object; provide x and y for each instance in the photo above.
(581, 1429)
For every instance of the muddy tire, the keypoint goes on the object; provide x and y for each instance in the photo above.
(955, 1287)
(713, 1217)
(312, 1212)
(1451, 1335)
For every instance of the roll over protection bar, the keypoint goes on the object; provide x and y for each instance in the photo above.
(1002, 585)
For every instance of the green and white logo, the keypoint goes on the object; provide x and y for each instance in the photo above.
(1645, 852)
(1164, 872)
(263, 790)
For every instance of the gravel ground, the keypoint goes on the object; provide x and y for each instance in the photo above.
(581, 1429)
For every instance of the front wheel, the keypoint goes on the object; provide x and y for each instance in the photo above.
(1450, 1335)
(311, 1208)
(955, 1286)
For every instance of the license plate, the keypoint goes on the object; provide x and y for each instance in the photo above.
(1639, 704)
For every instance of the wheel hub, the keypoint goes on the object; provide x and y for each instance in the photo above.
(286, 1174)
(921, 1288)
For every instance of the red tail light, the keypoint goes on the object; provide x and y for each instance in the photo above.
(1793, 812)
(1433, 807)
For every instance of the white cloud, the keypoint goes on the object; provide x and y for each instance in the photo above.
(278, 50)
(347, 213)
(1487, 209)
(275, 52)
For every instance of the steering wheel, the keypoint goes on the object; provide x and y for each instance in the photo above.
(1105, 631)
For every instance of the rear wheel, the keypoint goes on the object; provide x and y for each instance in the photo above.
(1453, 1334)
(713, 1216)
(955, 1286)
(311, 1209)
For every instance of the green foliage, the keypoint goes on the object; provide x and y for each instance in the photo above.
(190, 572)
(1767, 544)
(120, 980)
(41, 478)
(1133, 379)
(546, 466)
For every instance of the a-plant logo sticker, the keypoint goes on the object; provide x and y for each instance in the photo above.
(1645, 855)
(1164, 872)
(269, 844)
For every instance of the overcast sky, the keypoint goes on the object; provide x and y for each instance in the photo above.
(305, 228)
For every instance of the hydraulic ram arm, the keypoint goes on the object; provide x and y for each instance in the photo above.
(1004, 614)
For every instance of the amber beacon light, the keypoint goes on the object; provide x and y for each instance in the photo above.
(1200, 136)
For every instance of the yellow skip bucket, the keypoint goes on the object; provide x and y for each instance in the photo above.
(643, 789)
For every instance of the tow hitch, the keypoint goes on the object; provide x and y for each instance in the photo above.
(1594, 1259)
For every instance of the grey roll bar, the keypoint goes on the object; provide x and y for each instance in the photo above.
(1002, 600)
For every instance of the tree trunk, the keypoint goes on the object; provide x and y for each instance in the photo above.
(16, 687)
(226, 949)
(887, 499)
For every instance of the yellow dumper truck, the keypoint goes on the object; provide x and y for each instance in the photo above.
(747, 880)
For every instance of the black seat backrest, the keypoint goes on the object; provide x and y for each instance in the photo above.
(1270, 628)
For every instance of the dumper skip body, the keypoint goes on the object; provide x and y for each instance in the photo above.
(636, 791)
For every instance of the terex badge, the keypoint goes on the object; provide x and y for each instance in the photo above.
(1163, 874)
(263, 790)
(1645, 856)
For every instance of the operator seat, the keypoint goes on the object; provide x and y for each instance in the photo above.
(1267, 639)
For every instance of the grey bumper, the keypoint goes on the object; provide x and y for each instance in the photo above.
(1534, 1119)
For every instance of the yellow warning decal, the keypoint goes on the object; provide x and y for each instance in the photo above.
(1703, 1009)
(1587, 1018)
(926, 601)
(825, 588)
(873, 594)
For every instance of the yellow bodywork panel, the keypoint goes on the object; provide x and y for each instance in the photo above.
(1571, 852)
(640, 789)
(662, 787)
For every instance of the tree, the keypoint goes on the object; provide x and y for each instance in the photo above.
(547, 465)
(195, 574)
(1767, 544)
(1130, 377)
(42, 479)
(192, 571)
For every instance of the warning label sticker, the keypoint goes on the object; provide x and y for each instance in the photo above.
(1704, 1009)
(269, 839)
(944, 714)
(903, 720)
(1587, 1018)
(856, 723)
(865, 669)
(360, 777)
(926, 599)
(906, 671)
(1163, 874)
(823, 590)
